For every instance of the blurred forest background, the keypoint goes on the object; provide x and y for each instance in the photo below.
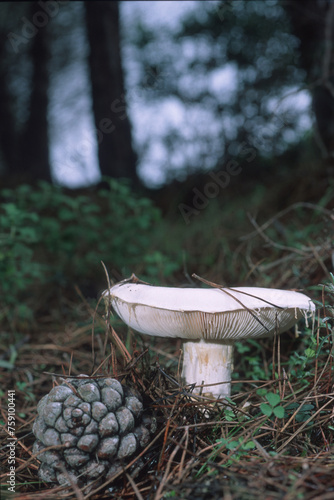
(163, 138)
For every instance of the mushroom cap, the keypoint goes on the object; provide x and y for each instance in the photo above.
(217, 314)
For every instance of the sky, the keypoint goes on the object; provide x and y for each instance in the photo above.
(74, 149)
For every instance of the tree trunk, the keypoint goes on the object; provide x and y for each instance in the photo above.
(35, 163)
(313, 24)
(116, 155)
(8, 136)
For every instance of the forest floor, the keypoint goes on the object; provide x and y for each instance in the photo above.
(236, 450)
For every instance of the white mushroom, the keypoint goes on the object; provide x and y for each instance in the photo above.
(209, 320)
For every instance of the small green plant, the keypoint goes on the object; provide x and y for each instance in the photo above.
(234, 448)
(272, 406)
(10, 364)
(229, 415)
(299, 361)
(29, 395)
(170, 494)
(251, 360)
(52, 238)
(19, 237)
(303, 414)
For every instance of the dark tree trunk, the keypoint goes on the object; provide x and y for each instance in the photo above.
(116, 155)
(308, 21)
(313, 24)
(35, 163)
(8, 136)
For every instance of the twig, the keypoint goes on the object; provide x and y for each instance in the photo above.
(134, 487)
(280, 214)
(184, 454)
(272, 242)
(74, 486)
(130, 464)
(304, 424)
(158, 494)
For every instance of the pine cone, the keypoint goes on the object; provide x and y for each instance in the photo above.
(100, 424)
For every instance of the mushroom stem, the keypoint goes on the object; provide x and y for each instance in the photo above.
(208, 363)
